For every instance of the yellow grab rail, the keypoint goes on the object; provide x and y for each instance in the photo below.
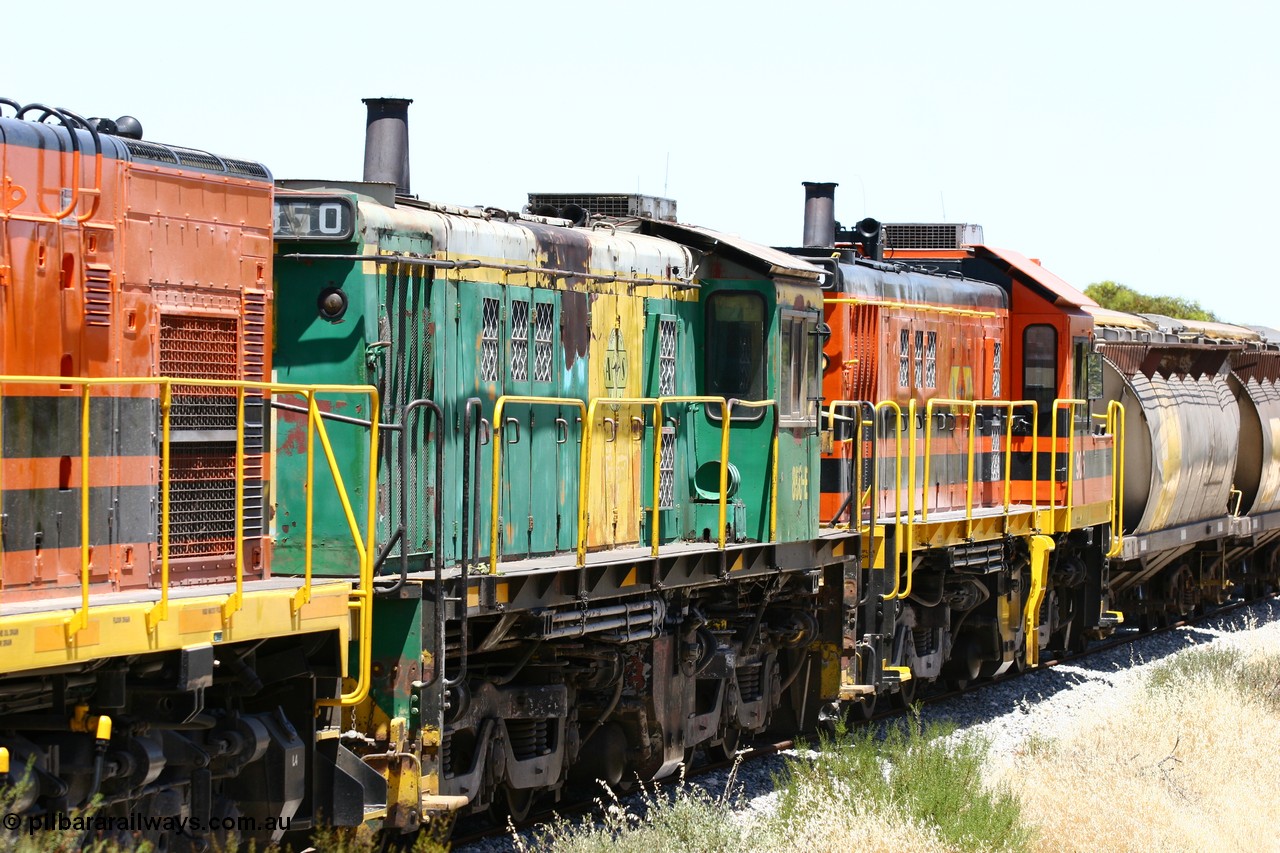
(1040, 547)
(361, 596)
(160, 612)
(773, 452)
(584, 461)
(724, 454)
(911, 501)
(496, 496)
(1115, 426)
(236, 601)
(873, 498)
(934, 309)
(972, 410)
(1070, 405)
(891, 406)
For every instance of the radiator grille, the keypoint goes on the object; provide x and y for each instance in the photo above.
(202, 496)
(617, 205)
(205, 347)
(930, 235)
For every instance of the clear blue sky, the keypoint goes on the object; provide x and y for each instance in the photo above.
(1134, 141)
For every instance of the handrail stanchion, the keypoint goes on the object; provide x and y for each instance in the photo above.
(1035, 461)
(160, 611)
(897, 491)
(81, 618)
(1115, 425)
(303, 595)
(1070, 405)
(236, 601)
(773, 452)
(911, 510)
(364, 548)
(724, 449)
(968, 495)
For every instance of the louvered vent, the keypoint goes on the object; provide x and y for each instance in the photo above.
(97, 295)
(171, 155)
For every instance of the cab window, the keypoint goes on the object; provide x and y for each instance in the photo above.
(1040, 365)
(735, 348)
(798, 374)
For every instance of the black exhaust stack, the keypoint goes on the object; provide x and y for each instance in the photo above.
(386, 142)
(819, 215)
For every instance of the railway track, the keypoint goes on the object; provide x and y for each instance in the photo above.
(764, 748)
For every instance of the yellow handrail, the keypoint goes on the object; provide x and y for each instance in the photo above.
(1115, 426)
(936, 309)
(496, 493)
(361, 595)
(236, 600)
(897, 488)
(584, 462)
(1070, 405)
(773, 452)
(81, 618)
(724, 453)
(911, 503)
(160, 611)
(303, 595)
(1041, 545)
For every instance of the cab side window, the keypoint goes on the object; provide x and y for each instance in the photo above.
(735, 347)
(1040, 365)
(798, 372)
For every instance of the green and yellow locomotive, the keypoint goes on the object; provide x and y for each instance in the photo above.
(538, 609)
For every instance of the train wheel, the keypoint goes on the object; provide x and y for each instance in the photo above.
(1020, 658)
(728, 747)
(907, 693)
(514, 802)
(860, 710)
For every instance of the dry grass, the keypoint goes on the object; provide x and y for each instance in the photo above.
(1187, 764)
(908, 790)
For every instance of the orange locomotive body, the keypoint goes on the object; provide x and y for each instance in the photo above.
(921, 345)
(144, 260)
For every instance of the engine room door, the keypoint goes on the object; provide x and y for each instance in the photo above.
(480, 373)
(517, 431)
(544, 433)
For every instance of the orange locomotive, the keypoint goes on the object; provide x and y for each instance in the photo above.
(146, 260)
(961, 472)
(141, 639)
